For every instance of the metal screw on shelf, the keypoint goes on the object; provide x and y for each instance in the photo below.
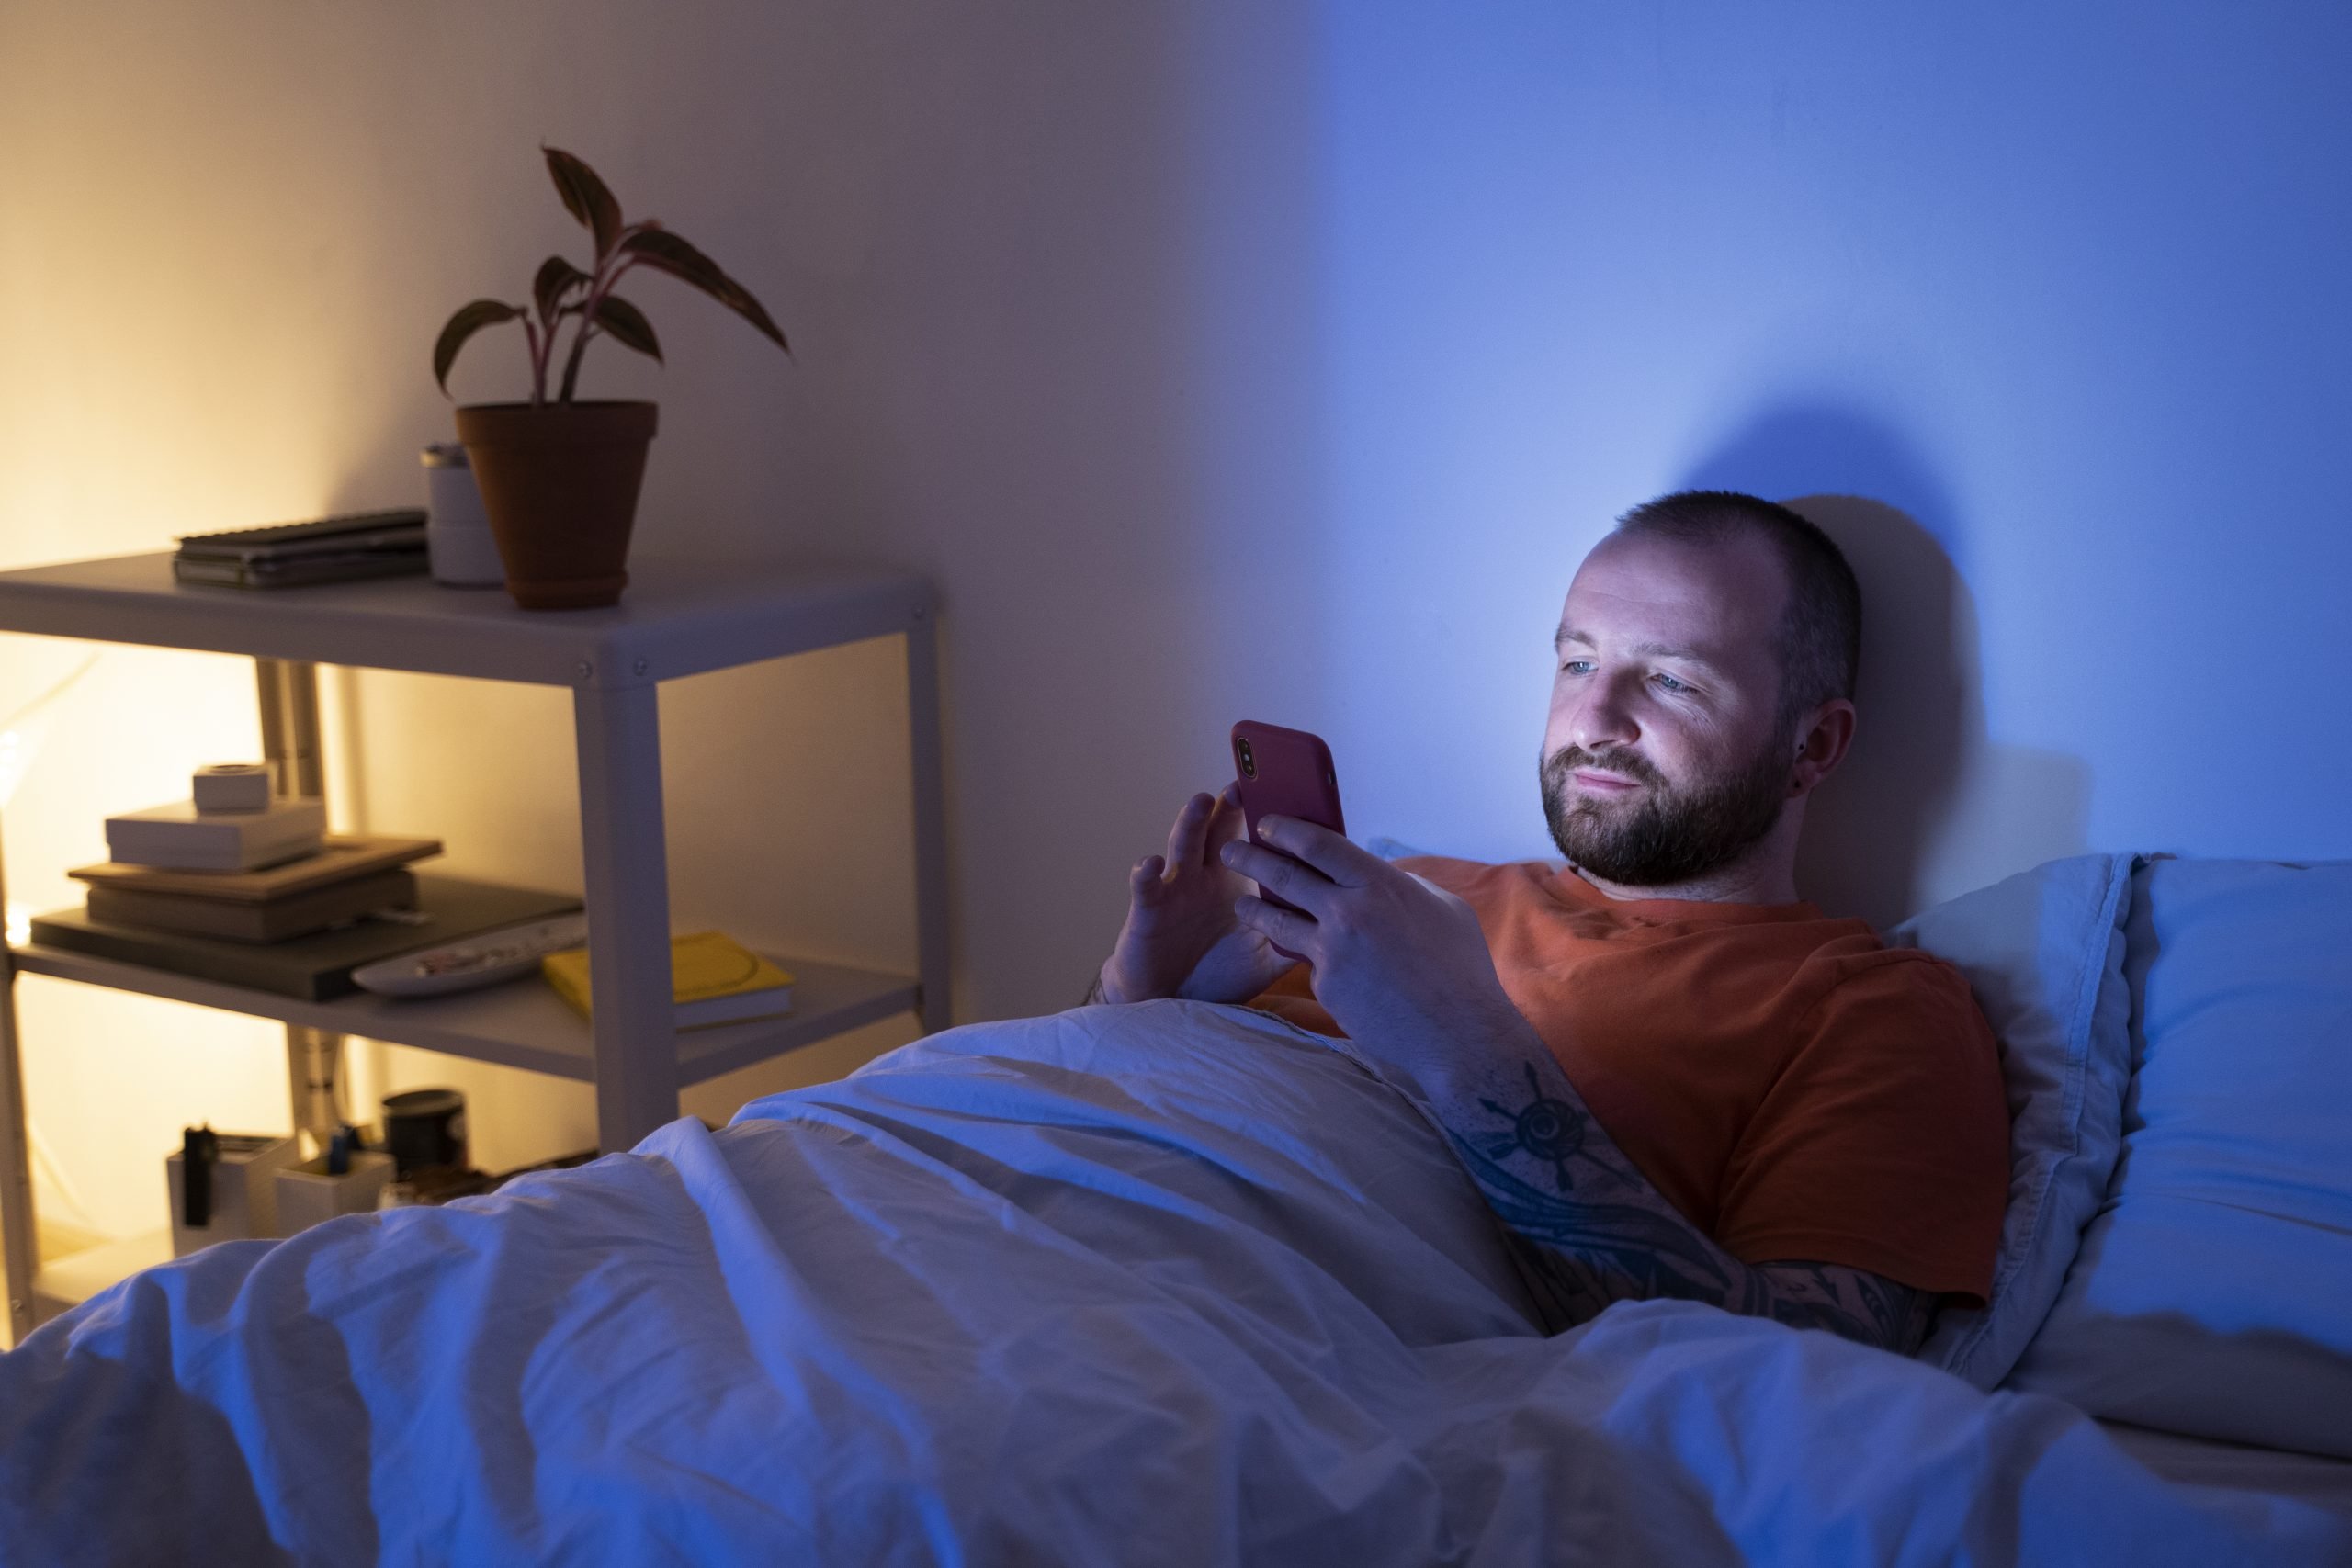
(919, 612)
(585, 670)
(638, 668)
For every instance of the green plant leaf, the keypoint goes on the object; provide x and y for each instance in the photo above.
(586, 198)
(664, 251)
(627, 325)
(557, 277)
(469, 320)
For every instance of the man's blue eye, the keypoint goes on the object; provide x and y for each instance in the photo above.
(1576, 666)
(1671, 684)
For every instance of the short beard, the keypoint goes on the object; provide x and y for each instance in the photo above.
(1662, 836)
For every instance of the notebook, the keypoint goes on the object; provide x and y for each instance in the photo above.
(713, 979)
(342, 856)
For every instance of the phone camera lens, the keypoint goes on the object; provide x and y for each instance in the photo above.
(1248, 762)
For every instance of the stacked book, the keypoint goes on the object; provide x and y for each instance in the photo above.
(327, 549)
(332, 881)
(297, 929)
(317, 967)
(236, 862)
(242, 887)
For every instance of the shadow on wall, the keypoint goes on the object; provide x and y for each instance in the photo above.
(1928, 806)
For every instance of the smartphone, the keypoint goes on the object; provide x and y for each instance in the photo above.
(1284, 773)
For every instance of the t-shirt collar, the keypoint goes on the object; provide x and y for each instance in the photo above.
(1571, 888)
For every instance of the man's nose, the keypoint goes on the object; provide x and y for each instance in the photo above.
(1604, 718)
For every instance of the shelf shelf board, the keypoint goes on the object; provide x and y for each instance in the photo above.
(76, 1278)
(521, 1023)
(680, 616)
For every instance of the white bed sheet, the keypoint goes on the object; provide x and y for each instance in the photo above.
(2240, 1469)
(1171, 1283)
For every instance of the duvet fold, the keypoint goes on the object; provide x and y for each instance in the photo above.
(1167, 1283)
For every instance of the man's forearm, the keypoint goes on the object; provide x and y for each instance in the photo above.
(1592, 1230)
(1405, 968)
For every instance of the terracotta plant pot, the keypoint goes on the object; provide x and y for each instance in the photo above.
(560, 482)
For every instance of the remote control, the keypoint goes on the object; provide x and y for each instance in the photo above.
(482, 959)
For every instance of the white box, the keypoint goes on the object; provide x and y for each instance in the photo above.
(245, 1191)
(180, 837)
(306, 1194)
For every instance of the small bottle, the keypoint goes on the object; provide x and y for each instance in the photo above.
(457, 541)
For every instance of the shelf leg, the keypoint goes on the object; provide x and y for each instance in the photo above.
(937, 1007)
(291, 744)
(289, 727)
(18, 1238)
(314, 1063)
(619, 738)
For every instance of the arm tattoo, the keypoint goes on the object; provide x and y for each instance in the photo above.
(1588, 1229)
(1851, 1301)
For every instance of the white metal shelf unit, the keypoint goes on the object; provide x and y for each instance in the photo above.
(680, 617)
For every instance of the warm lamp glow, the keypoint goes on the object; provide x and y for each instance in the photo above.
(110, 1080)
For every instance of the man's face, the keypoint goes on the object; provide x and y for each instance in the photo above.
(1663, 759)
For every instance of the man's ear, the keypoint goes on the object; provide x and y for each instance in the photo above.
(1821, 745)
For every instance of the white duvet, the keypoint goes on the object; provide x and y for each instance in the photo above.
(1163, 1284)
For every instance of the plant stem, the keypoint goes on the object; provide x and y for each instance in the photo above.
(572, 365)
(538, 361)
(599, 285)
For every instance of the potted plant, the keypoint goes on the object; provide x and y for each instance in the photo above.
(560, 476)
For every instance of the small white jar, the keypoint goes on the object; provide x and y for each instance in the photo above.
(458, 540)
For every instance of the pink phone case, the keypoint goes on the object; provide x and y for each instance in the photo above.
(1284, 773)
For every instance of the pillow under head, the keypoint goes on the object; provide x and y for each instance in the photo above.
(2043, 954)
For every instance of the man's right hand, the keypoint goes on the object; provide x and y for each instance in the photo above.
(1181, 938)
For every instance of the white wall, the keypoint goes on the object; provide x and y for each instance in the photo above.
(1219, 360)
(2064, 286)
(233, 231)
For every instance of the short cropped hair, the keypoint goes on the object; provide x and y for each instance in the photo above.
(1820, 640)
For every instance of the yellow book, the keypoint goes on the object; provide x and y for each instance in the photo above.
(713, 979)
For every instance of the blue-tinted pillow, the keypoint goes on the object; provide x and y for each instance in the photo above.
(2213, 1292)
(2043, 952)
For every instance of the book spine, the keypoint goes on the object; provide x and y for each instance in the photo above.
(277, 920)
(159, 911)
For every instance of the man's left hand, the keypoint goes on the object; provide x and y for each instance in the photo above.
(1401, 965)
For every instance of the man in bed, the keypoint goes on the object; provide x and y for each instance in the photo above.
(1667, 1076)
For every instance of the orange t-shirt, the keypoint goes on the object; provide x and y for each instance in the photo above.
(1794, 1088)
